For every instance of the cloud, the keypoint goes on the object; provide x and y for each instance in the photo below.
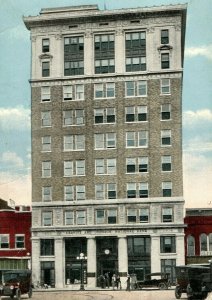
(14, 118)
(11, 158)
(205, 51)
(199, 143)
(192, 118)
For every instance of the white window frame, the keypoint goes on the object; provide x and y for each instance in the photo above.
(4, 239)
(167, 185)
(46, 197)
(67, 92)
(46, 118)
(45, 94)
(79, 117)
(46, 143)
(111, 187)
(69, 217)
(99, 191)
(110, 87)
(46, 169)
(81, 217)
(133, 89)
(79, 92)
(111, 166)
(143, 83)
(143, 136)
(166, 159)
(80, 167)
(165, 108)
(47, 218)
(131, 212)
(130, 136)
(69, 193)
(110, 140)
(68, 168)
(167, 211)
(99, 166)
(98, 88)
(68, 117)
(16, 241)
(166, 133)
(145, 212)
(102, 219)
(165, 84)
(80, 192)
(144, 186)
(143, 160)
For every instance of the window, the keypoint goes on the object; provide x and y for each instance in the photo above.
(4, 241)
(165, 61)
(141, 141)
(166, 137)
(46, 169)
(167, 214)
(165, 111)
(80, 167)
(47, 218)
(167, 189)
(136, 114)
(19, 241)
(79, 92)
(104, 53)
(112, 216)
(67, 117)
(104, 115)
(164, 36)
(45, 45)
(80, 192)
(106, 90)
(190, 245)
(73, 117)
(110, 168)
(73, 55)
(203, 242)
(131, 215)
(100, 190)
(131, 190)
(166, 163)
(167, 244)
(136, 88)
(46, 118)
(80, 217)
(100, 216)
(143, 190)
(210, 241)
(68, 193)
(143, 164)
(45, 69)
(79, 117)
(74, 142)
(165, 86)
(45, 94)
(47, 193)
(131, 165)
(47, 247)
(67, 92)
(135, 51)
(68, 168)
(144, 215)
(69, 217)
(105, 141)
(46, 143)
(139, 246)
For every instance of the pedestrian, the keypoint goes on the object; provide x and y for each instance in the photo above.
(128, 283)
(107, 280)
(102, 281)
(118, 282)
(114, 281)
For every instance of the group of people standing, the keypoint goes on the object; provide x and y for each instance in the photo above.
(105, 281)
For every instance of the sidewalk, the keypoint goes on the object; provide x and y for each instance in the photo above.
(209, 297)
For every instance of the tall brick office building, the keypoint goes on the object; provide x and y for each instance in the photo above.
(106, 142)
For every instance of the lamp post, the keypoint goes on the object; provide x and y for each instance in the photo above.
(82, 258)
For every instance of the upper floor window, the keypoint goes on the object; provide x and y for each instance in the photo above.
(104, 115)
(105, 166)
(190, 245)
(138, 215)
(131, 215)
(105, 191)
(72, 193)
(136, 88)
(20, 241)
(136, 113)
(165, 86)
(136, 139)
(166, 111)
(165, 63)
(164, 36)
(166, 137)
(106, 216)
(143, 190)
(203, 242)
(47, 218)
(47, 247)
(144, 215)
(74, 168)
(167, 244)
(45, 45)
(46, 169)
(67, 92)
(105, 141)
(46, 143)
(47, 193)
(46, 118)
(135, 51)
(45, 69)
(104, 90)
(74, 142)
(167, 188)
(166, 163)
(73, 117)
(69, 217)
(104, 52)
(45, 94)
(80, 217)
(167, 214)
(4, 241)
(137, 191)
(73, 55)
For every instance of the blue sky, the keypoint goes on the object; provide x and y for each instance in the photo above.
(15, 143)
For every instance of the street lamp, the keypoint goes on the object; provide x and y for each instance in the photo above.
(82, 258)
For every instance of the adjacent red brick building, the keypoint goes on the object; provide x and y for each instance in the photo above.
(15, 237)
(198, 235)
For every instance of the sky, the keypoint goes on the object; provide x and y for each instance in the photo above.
(15, 132)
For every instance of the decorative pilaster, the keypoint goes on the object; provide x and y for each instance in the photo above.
(59, 263)
(91, 262)
(122, 259)
(155, 254)
(88, 53)
(35, 261)
(119, 51)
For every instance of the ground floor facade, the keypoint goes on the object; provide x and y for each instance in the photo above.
(55, 254)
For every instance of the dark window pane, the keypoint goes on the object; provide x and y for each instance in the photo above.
(167, 192)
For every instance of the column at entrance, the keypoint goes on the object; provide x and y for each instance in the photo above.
(122, 260)
(35, 261)
(91, 262)
(59, 263)
(155, 254)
